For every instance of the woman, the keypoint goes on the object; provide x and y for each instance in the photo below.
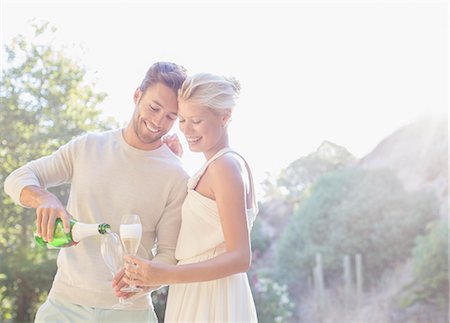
(209, 283)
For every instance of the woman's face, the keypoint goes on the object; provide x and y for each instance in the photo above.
(204, 130)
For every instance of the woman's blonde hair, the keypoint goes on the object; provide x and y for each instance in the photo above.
(219, 93)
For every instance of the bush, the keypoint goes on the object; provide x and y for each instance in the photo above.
(271, 300)
(260, 240)
(349, 212)
(431, 282)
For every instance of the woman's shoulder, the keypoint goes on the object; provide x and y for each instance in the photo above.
(227, 167)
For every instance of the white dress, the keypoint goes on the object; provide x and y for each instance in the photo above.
(228, 299)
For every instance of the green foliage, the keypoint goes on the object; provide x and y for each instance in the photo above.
(431, 269)
(271, 299)
(45, 102)
(349, 212)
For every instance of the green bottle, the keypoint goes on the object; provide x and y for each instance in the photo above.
(78, 231)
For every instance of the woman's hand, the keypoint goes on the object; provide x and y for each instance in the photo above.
(174, 144)
(143, 272)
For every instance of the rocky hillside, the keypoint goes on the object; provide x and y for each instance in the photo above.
(418, 153)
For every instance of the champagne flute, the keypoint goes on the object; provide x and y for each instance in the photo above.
(130, 233)
(112, 253)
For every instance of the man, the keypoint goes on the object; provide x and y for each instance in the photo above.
(112, 173)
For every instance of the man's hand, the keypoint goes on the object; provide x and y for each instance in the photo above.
(48, 209)
(118, 282)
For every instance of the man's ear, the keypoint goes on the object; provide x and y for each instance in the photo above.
(137, 95)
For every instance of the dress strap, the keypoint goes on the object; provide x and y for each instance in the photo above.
(221, 152)
(251, 183)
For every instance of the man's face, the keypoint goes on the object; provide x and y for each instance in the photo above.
(154, 115)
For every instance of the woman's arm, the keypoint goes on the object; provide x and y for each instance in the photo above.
(227, 185)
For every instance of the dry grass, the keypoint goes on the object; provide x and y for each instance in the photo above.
(374, 307)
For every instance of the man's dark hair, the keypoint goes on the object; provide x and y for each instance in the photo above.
(170, 74)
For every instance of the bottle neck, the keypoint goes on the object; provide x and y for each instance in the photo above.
(84, 230)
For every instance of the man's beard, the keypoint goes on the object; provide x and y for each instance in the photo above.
(139, 129)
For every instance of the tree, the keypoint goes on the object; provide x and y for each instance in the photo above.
(295, 179)
(45, 102)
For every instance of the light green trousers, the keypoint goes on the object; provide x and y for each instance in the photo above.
(60, 311)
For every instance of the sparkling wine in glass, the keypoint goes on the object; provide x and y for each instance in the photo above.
(112, 253)
(130, 234)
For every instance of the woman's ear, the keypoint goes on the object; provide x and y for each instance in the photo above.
(226, 118)
(137, 95)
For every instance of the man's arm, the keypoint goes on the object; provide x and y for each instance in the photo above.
(27, 187)
(168, 226)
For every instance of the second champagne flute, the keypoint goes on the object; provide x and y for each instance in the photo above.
(112, 253)
(130, 234)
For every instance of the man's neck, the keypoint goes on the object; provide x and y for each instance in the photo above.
(133, 140)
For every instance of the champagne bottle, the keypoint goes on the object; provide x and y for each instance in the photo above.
(78, 231)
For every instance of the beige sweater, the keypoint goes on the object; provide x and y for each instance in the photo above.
(108, 178)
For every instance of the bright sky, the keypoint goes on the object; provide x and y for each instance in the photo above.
(350, 72)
